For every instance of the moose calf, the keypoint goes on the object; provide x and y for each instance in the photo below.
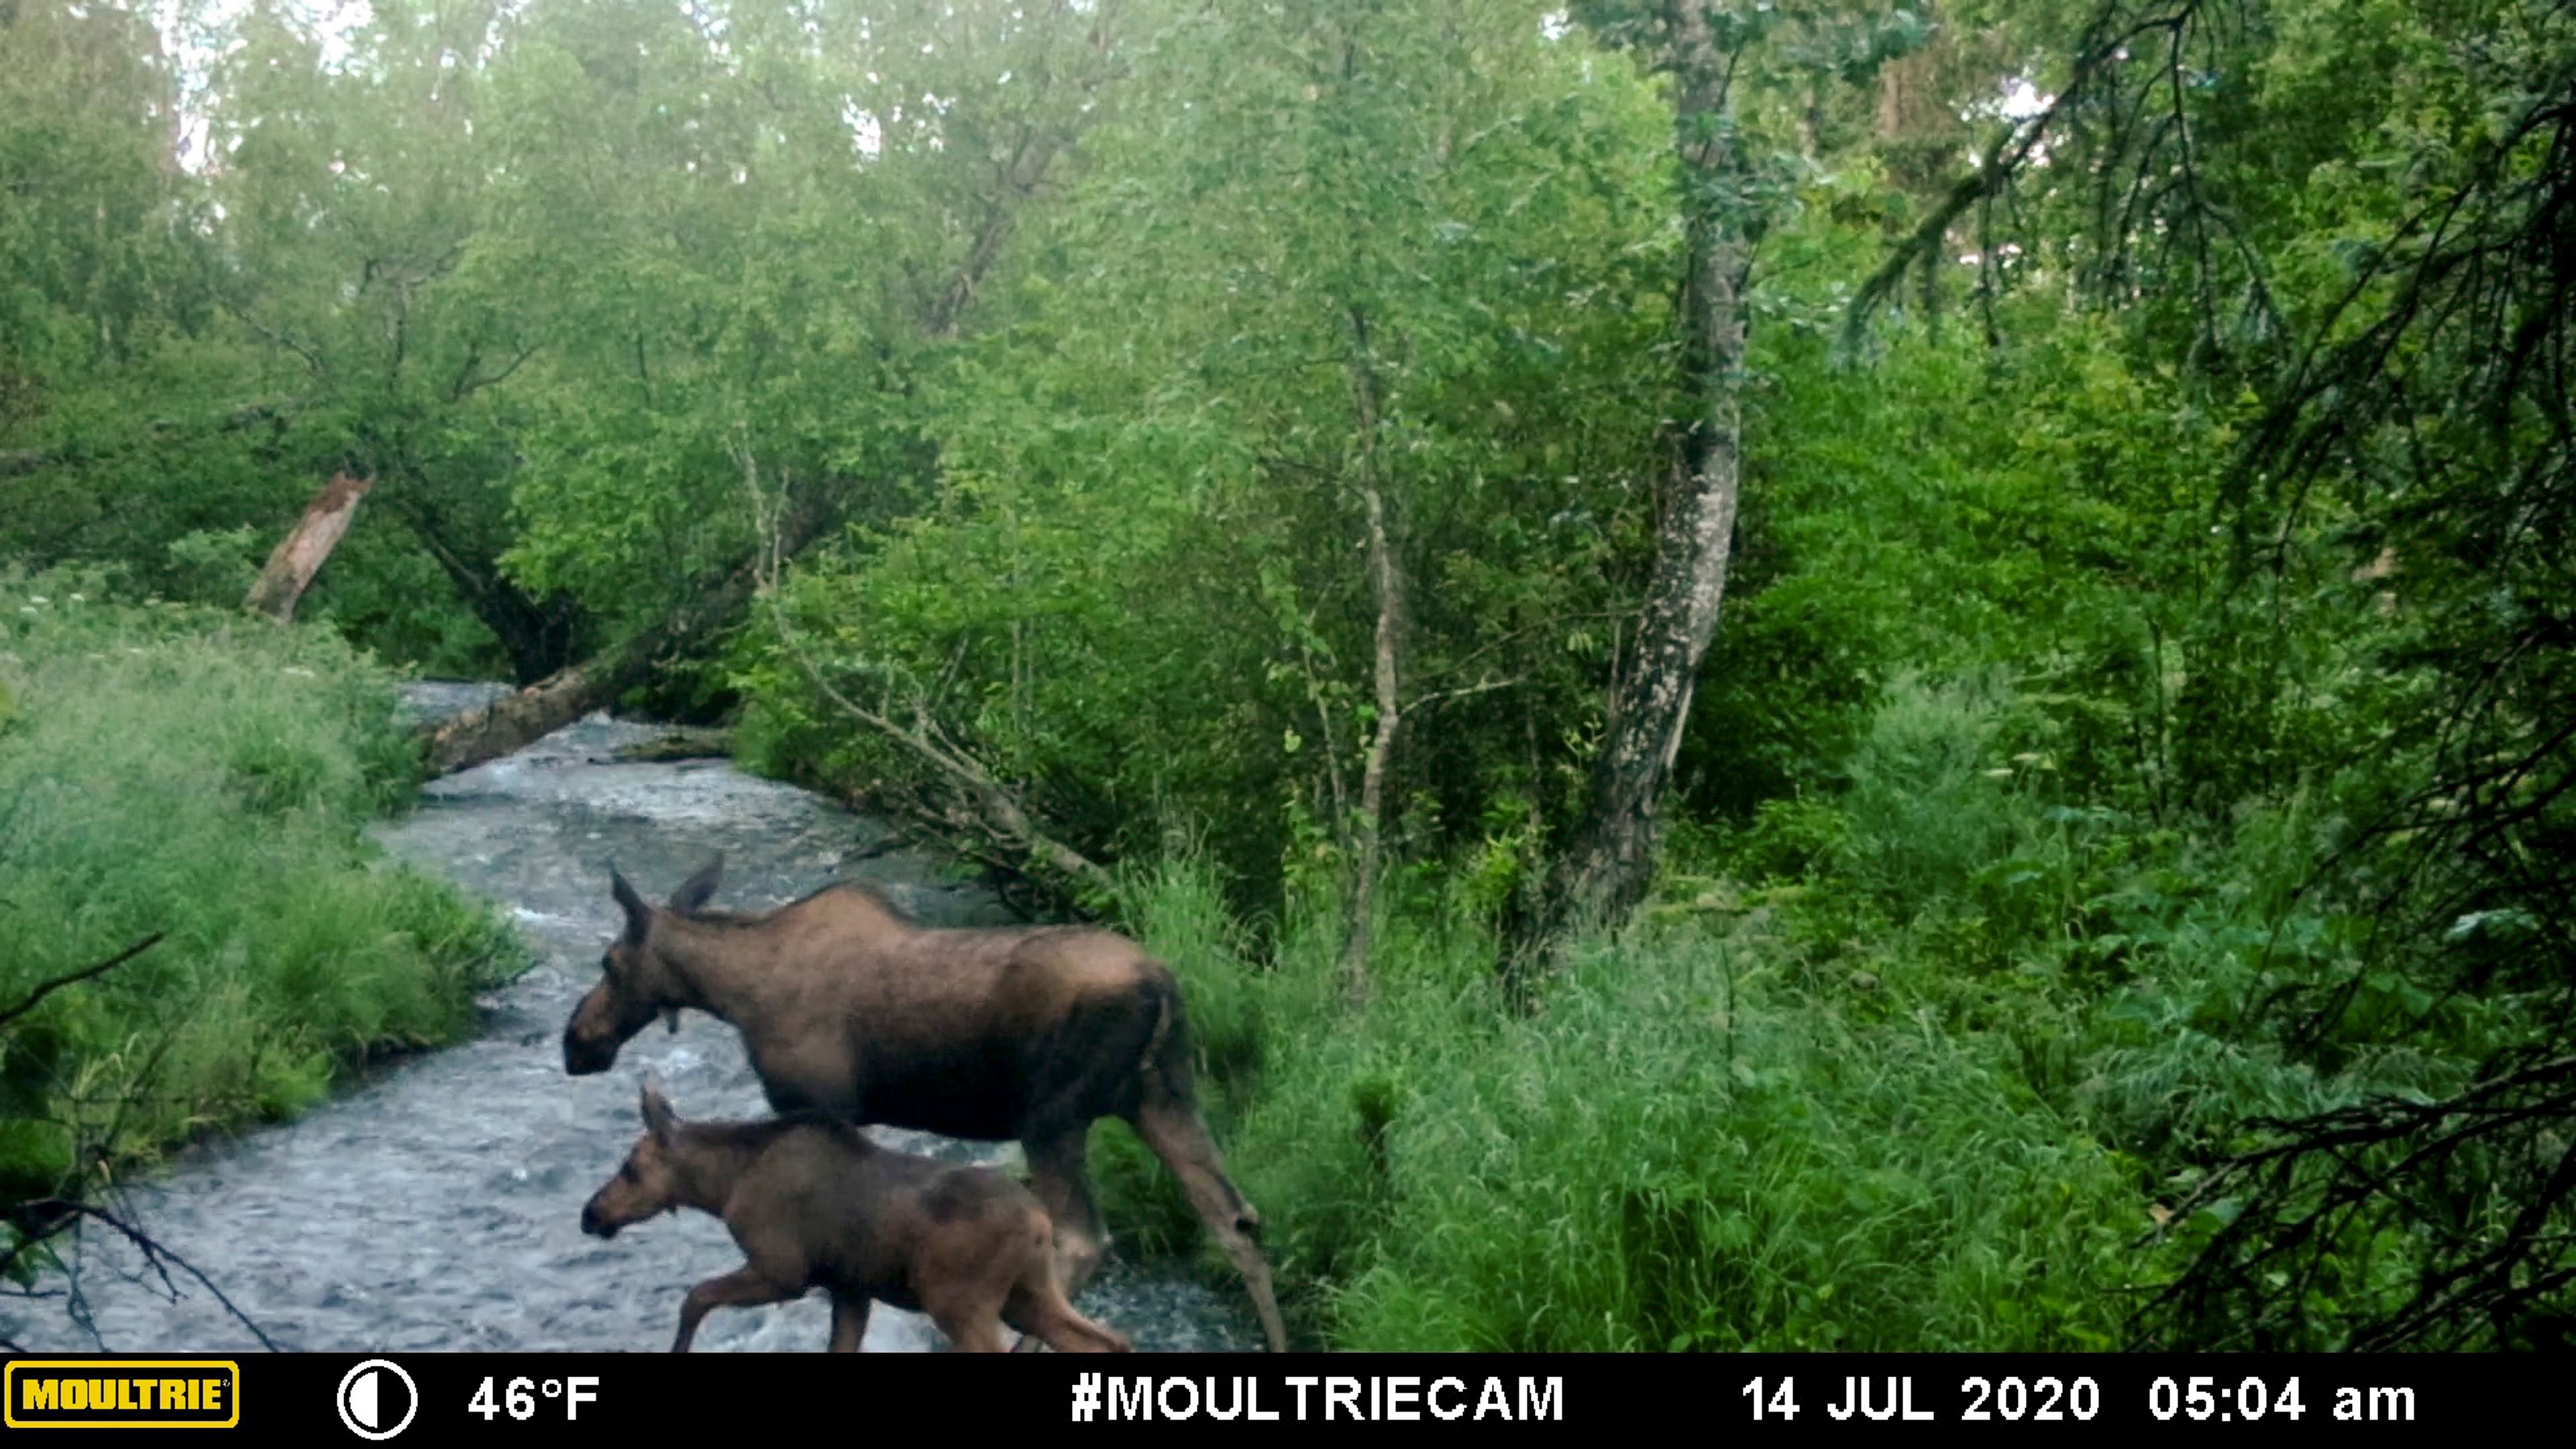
(813, 1203)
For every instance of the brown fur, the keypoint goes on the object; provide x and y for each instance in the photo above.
(814, 1204)
(851, 1010)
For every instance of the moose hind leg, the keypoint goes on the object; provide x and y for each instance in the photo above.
(1060, 1174)
(1177, 1134)
(849, 1322)
(741, 1288)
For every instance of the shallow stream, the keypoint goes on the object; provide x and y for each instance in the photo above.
(436, 1205)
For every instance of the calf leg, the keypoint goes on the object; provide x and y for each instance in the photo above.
(1031, 1301)
(965, 1268)
(970, 1313)
(1175, 1131)
(849, 1323)
(741, 1288)
(1038, 1310)
(977, 1333)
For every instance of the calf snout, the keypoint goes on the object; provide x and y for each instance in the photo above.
(594, 1224)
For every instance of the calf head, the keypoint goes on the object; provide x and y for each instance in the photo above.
(647, 1184)
(635, 981)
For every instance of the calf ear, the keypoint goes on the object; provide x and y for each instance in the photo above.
(639, 916)
(699, 889)
(658, 1115)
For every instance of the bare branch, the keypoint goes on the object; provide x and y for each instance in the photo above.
(469, 382)
(2107, 45)
(76, 977)
(312, 358)
(996, 810)
(1487, 686)
(156, 1255)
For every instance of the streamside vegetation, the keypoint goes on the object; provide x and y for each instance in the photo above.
(199, 935)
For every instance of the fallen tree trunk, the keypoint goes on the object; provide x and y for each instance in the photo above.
(569, 693)
(300, 555)
(542, 708)
(537, 634)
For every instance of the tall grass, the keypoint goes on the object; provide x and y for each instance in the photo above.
(204, 775)
(1916, 1065)
(1687, 1149)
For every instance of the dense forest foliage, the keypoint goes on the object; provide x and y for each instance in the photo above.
(1786, 675)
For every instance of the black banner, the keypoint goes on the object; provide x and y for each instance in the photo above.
(499, 1398)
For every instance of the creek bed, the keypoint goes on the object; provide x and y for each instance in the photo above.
(436, 1205)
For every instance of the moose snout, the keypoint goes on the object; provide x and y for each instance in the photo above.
(583, 1058)
(595, 1225)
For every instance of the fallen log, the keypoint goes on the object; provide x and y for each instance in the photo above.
(517, 720)
(300, 555)
(678, 744)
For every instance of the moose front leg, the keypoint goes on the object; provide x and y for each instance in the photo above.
(849, 1323)
(741, 1288)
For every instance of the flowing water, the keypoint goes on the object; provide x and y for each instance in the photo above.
(436, 1206)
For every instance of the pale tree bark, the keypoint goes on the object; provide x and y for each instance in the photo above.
(300, 555)
(1603, 874)
(1386, 582)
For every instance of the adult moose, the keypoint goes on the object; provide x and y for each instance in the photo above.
(848, 1007)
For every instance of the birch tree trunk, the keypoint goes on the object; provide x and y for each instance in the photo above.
(1387, 584)
(1602, 876)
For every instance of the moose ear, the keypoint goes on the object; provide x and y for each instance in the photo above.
(638, 915)
(699, 889)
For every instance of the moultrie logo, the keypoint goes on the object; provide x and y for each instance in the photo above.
(123, 1393)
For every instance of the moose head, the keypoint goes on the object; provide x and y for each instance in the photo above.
(647, 1184)
(636, 979)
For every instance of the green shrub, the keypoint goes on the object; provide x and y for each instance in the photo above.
(205, 775)
(1915, 1063)
(1686, 1149)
